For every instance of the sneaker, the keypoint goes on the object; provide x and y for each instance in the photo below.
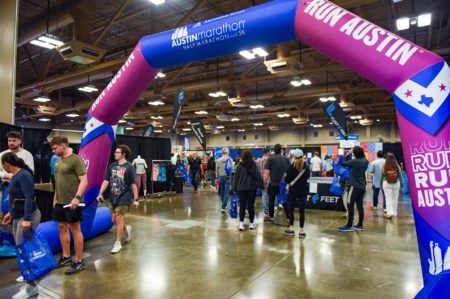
(117, 247)
(223, 211)
(241, 226)
(76, 267)
(301, 235)
(346, 228)
(266, 218)
(19, 279)
(385, 211)
(358, 227)
(128, 229)
(27, 291)
(252, 226)
(289, 232)
(64, 261)
(271, 221)
(374, 208)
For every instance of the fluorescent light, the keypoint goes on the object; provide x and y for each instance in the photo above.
(156, 103)
(256, 106)
(213, 94)
(220, 127)
(396, 1)
(343, 104)
(283, 115)
(241, 130)
(279, 64)
(296, 83)
(332, 99)
(129, 128)
(247, 54)
(44, 119)
(156, 117)
(160, 75)
(221, 93)
(306, 82)
(356, 117)
(424, 20)
(186, 129)
(88, 88)
(157, 2)
(260, 52)
(323, 100)
(327, 99)
(52, 40)
(258, 124)
(355, 121)
(158, 131)
(121, 121)
(72, 115)
(378, 120)
(235, 119)
(201, 112)
(41, 99)
(402, 24)
(42, 44)
(317, 126)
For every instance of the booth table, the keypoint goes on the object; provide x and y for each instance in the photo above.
(319, 196)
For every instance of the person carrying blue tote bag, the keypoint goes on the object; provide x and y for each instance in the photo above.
(34, 256)
(234, 206)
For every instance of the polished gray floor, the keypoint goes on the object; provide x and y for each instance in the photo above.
(209, 258)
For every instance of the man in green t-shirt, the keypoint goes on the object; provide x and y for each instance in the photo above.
(70, 185)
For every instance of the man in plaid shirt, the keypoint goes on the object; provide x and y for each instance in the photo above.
(261, 162)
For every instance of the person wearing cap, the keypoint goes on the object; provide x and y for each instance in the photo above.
(274, 171)
(297, 176)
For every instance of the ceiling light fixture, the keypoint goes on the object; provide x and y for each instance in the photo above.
(317, 126)
(160, 75)
(283, 115)
(156, 117)
(327, 99)
(247, 54)
(257, 107)
(47, 41)
(45, 119)
(158, 131)
(356, 117)
(156, 103)
(42, 99)
(73, 115)
(405, 23)
(186, 129)
(220, 127)
(218, 93)
(88, 88)
(296, 82)
(201, 112)
(258, 124)
(241, 130)
(129, 128)
(260, 52)
(122, 121)
(235, 119)
(157, 2)
(343, 104)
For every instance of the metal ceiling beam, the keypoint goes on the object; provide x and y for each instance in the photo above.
(111, 22)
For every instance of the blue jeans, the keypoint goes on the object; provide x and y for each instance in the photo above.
(225, 186)
(264, 197)
(195, 178)
(376, 194)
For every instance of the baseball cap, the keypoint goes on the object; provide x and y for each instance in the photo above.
(298, 153)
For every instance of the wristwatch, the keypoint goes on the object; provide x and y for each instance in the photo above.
(78, 197)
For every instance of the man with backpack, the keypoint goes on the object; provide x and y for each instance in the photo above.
(224, 170)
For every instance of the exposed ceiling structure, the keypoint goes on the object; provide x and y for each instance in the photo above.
(117, 25)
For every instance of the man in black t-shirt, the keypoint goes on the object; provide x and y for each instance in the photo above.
(194, 168)
(212, 170)
(121, 177)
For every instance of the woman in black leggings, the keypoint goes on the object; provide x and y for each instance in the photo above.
(297, 178)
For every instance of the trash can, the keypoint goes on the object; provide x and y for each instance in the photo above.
(179, 184)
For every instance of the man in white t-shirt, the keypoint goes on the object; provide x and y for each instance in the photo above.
(15, 146)
(376, 168)
(316, 165)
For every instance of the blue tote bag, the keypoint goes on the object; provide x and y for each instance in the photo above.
(336, 188)
(34, 256)
(282, 195)
(234, 206)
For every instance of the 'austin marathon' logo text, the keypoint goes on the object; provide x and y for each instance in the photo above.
(182, 38)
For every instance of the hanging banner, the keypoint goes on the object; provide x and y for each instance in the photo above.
(338, 118)
(199, 131)
(148, 131)
(177, 105)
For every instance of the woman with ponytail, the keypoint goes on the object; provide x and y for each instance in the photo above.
(296, 178)
(23, 211)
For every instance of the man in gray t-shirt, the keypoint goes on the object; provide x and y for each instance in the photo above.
(121, 176)
(274, 171)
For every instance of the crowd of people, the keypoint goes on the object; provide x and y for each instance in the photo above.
(242, 177)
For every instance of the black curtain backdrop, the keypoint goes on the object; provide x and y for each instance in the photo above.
(35, 141)
(149, 149)
(396, 149)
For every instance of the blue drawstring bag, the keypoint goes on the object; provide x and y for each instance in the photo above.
(34, 256)
(405, 184)
(234, 206)
(229, 167)
(336, 188)
(340, 170)
(282, 195)
(6, 237)
(188, 181)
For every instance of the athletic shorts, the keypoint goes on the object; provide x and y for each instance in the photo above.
(119, 209)
(68, 215)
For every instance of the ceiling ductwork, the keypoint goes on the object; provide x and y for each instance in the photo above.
(285, 64)
(80, 52)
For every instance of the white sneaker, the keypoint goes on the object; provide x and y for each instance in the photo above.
(128, 229)
(252, 226)
(241, 226)
(27, 291)
(19, 279)
(117, 247)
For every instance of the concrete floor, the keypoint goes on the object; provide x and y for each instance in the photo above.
(214, 260)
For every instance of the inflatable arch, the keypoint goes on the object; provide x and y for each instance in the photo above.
(418, 79)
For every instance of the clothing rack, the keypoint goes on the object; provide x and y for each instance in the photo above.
(163, 193)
